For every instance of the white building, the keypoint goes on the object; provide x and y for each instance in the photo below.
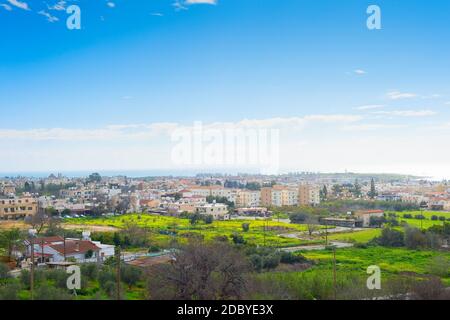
(219, 211)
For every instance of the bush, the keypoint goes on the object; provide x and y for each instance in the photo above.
(390, 238)
(238, 239)
(89, 270)
(439, 266)
(256, 262)
(4, 271)
(414, 238)
(407, 216)
(10, 291)
(290, 258)
(271, 261)
(153, 248)
(130, 275)
(245, 227)
(46, 292)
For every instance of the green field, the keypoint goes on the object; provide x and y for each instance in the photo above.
(163, 224)
(424, 223)
(351, 271)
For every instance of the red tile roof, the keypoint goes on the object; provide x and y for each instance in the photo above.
(75, 246)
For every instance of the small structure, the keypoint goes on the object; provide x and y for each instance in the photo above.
(341, 222)
(365, 215)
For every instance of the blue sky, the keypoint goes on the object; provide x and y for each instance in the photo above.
(137, 64)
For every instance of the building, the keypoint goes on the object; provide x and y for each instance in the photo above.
(248, 198)
(340, 222)
(57, 249)
(289, 197)
(16, 208)
(308, 195)
(219, 211)
(365, 215)
(253, 211)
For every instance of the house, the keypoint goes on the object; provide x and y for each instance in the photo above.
(365, 215)
(57, 249)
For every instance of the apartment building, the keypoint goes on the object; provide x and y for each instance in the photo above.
(219, 211)
(248, 198)
(308, 195)
(214, 191)
(278, 196)
(289, 197)
(15, 208)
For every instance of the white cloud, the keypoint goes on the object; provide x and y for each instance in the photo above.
(372, 126)
(157, 14)
(111, 4)
(18, 4)
(396, 95)
(370, 107)
(145, 131)
(50, 18)
(447, 103)
(6, 7)
(189, 2)
(359, 72)
(178, 5)
(406, 113)
(59, 6)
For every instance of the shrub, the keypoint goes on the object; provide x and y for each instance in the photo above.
(290, 258)
(414, 238)
(4, 271)
(10, 291)
(390, 238)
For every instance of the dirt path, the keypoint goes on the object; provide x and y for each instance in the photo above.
(92, 228)
(318, 247)
(11, 224)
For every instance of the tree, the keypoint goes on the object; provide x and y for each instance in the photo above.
(415, 238)
(312, 223)
(130, 275)
(390, 238)
(356, 190)
(337, 190)
(94, 177)
(200, 271)
(10, 240)
(237, 238)
(373, 192)
(323, 193)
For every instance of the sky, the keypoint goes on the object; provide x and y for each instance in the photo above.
(114, 94)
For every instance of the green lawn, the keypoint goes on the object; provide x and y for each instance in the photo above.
(357, 236)
(160, 224)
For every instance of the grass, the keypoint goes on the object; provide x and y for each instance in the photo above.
(159, 225)
(351, 270)
(357, 236)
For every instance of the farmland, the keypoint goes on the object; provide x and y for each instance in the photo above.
(396, 264)
(163, 228)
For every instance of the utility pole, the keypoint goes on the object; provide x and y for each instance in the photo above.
(64, 236)
(32, 270)
(334, 272)
(118, 272)
(326, 233)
